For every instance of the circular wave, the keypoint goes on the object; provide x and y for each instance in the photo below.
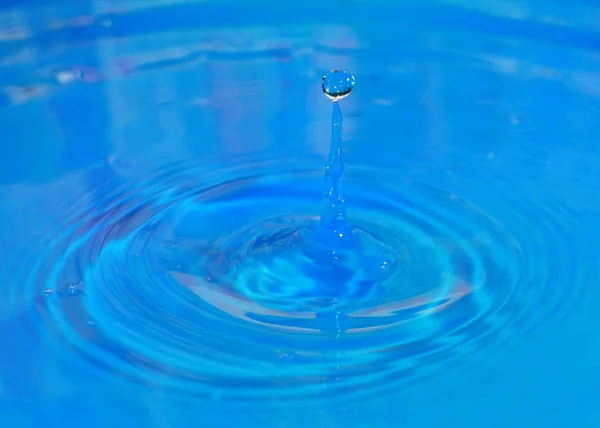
(133, 282)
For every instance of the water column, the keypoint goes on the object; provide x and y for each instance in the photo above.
(336, 85)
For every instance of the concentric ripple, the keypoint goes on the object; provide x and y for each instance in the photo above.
(159, 280)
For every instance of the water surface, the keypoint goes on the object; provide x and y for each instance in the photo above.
(143, 141)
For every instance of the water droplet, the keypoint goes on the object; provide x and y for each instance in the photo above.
(337, 84)
(49, 292)
(91, 324)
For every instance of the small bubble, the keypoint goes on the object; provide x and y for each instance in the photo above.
(72, 289)
(91, 324)
(67, 76)
(337, 84)
(49, 292)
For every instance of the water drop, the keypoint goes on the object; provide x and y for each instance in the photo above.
(337, 84)
(49, 292)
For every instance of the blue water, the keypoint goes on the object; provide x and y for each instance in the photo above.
(161, 185)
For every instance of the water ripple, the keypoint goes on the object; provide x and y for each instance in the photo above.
(132, 282)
